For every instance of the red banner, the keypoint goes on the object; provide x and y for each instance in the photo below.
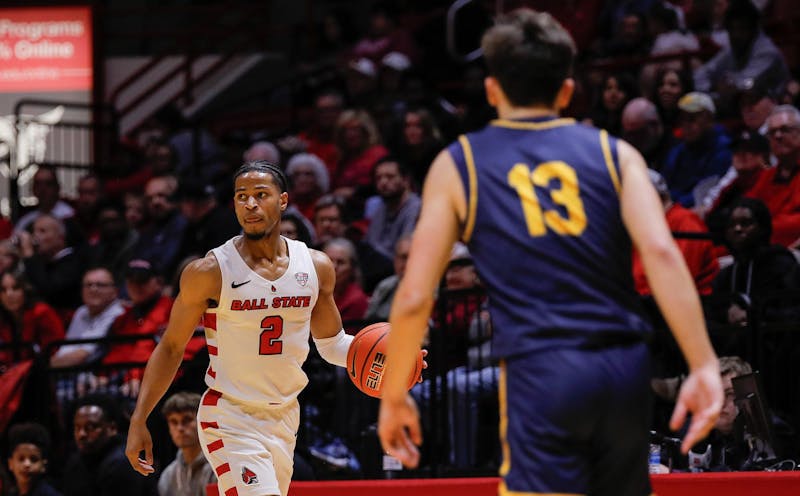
(45, 49)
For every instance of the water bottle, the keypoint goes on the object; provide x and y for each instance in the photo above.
(655, 458)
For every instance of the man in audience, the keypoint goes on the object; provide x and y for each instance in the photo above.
(100, 467)
(642, 127)
(47, 191)
(698, 253)
(750, 58)
(396, 213)
(381, 300)
(209, 224)
(779, 187)
(160, 240)
(189, 473)
(92, 319)
(116, 240)
(54, 268)
(703, 156)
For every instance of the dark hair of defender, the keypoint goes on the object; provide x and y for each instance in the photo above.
(265, 167)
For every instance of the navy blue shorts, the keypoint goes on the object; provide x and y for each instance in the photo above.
(576, 422)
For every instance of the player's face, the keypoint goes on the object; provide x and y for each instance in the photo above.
(26, 462)
(183, 429)
(258, 202)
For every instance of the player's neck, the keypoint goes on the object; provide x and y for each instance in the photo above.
(513, 113)
(269, 247)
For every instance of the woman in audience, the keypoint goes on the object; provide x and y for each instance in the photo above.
(360, 148)
(308, 178)
(24, 319)
(616, 91)
(417, 143)
(348, 293)
(670, 86)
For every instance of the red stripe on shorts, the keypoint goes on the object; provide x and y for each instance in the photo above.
(210, 320)
(212, 373)
(212, 447)
(223, 469)
(211, 397)
(209, 425)
(212, 350)
(231, 492)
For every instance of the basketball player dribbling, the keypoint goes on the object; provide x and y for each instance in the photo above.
(259, 295)
(548, 209)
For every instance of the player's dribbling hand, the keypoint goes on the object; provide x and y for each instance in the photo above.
(399, 430)
(701, 394)
(139, 440)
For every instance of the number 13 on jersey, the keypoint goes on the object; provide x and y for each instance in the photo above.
(567, 194)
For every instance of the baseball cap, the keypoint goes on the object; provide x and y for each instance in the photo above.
(750, 141)
(140, 270)
(194, 188)
(460, 255)
(396, 61)
(696, 102)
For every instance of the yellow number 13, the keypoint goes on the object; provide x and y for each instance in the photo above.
(523, 180)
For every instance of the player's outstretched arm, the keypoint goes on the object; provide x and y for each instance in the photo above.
(200, 282)
(675, 293)
(436, 231)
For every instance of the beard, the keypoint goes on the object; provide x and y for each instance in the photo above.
(255, 236)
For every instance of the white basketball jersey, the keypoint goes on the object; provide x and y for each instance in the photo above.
(258, 334)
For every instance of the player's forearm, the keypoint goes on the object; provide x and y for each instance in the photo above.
(409, 322)
(158, 375)
(674, 291)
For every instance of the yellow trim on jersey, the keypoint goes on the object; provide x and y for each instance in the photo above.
(534, 126)
(612, 171)
(502, 490)
(505, 467)
(472, 177)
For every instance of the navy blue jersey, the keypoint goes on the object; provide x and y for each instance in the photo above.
(545, 230)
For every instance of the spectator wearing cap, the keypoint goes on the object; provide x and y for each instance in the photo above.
(384, 36)
(751, 57)
(361, 81)
(750, 160)
(146, 316)
(699, 254)
(703, 156)
(209, 224)
(779, 187)
(756, 103)
(160, 240)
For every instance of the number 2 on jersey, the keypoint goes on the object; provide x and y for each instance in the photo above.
(269, 342)
(567, 195)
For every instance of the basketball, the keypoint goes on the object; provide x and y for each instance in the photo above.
(366, 359)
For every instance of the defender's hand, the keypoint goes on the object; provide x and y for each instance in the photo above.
(399, 430)
(701, 394)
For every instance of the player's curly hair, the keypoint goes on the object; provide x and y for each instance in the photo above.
(265, 167)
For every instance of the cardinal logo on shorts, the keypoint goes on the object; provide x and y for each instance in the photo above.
(248, 476)
(301, 278)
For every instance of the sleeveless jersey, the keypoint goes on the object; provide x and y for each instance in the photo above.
(258, 334)
(545, 230)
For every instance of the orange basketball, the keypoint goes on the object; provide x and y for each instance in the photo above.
(366, 359)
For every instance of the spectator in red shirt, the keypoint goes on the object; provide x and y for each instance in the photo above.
(779, 187)
(319, 136)
(147, 315)
(24, 319)
(699, 254)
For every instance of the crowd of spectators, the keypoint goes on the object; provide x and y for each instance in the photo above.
(706, 96)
